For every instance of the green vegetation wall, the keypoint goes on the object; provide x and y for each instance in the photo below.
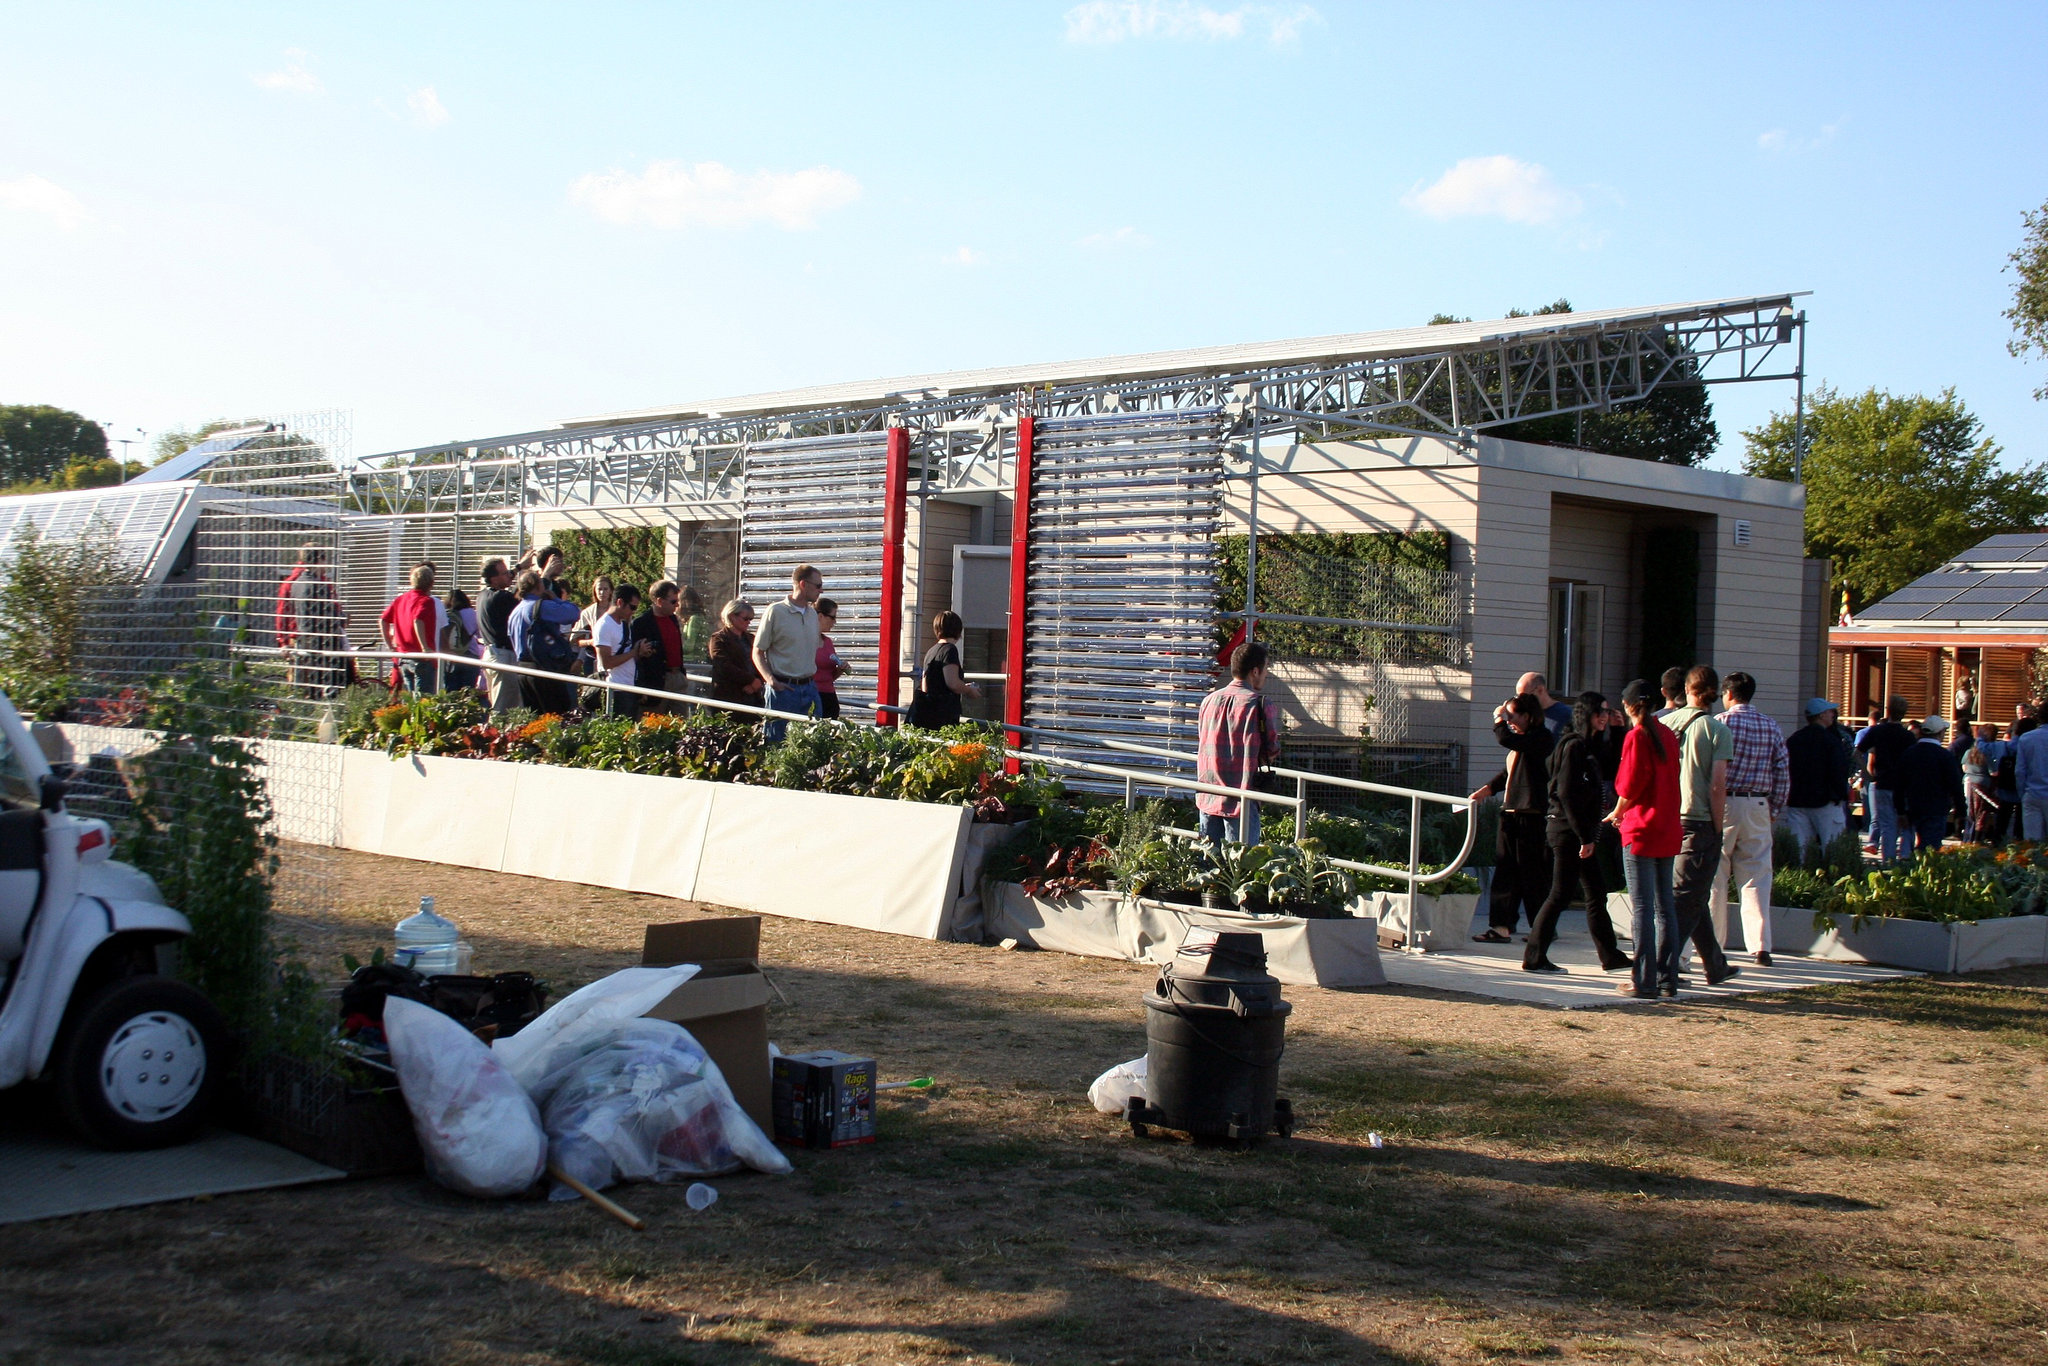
(627, 554)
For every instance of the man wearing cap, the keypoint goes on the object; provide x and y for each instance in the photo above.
(1930, 786)
(1759, 782)
(1820, 778)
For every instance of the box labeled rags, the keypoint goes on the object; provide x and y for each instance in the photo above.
(824, 1099)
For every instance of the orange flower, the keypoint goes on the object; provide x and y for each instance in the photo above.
(533, 730)
(968, 751)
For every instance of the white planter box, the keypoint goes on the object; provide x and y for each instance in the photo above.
(1330, 953)
(861, 861)
(1444, 924)
(2010, 941)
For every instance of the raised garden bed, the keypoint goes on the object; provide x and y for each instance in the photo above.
(1340, 952)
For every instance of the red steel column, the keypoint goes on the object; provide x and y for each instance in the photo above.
(889, 629)
(1020, 566)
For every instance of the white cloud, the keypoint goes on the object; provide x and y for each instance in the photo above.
(292, 77)
(1494, 187)
(1777, 140)
(1122, 237)
(426, 107)
(965, 256)
(669, 194)
(1114, 21)
(31, 194)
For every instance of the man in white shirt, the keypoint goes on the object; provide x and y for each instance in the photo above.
(786, 650)
(617, 661)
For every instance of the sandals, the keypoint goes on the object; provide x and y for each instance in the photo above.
(1492, 937)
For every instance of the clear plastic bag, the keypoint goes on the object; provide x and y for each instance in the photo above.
(646, 1103)
(478, 1128)
(1113, 1090)
(568, 1028)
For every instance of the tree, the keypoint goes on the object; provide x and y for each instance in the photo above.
(1674, 424)
(38, 442)
(2029, 311)
(1896, 484)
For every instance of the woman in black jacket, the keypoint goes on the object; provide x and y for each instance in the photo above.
(1578, 778)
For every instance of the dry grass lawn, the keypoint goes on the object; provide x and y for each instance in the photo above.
(1840, 1175)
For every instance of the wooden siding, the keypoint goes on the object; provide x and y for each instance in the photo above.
(2005, 678)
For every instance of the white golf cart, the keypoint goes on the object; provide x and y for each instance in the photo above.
(87, 1001)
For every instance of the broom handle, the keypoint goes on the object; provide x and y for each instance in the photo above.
(611, 1207)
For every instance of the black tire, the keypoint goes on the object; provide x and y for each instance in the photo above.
(148, 1027)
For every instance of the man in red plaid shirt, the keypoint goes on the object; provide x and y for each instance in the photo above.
(1237, 734)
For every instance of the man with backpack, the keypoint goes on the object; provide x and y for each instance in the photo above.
(540, 640)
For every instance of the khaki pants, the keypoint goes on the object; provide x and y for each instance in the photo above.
(1746, 854)
(504, 687)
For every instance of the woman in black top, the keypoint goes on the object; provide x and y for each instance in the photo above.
(939, 684)
(1578, 778)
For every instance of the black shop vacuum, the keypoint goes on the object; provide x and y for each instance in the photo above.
(1215, 1028)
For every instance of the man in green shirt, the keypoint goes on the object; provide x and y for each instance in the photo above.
(1704, 748)
(786, 650)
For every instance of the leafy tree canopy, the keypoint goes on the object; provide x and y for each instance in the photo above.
(39, 442)
(1896, 484)
(2029, 311)
(1674, 424)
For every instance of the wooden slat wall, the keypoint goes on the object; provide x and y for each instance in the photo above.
(1912, 674)
(1839, 692)
(2004, 680)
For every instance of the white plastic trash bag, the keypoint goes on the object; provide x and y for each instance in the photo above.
(568, 1028)
(646, 1103)
(479, 1129)
(1113, 1090)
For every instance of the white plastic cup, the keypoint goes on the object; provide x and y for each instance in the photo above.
(700, 1196)
(1375, 1139)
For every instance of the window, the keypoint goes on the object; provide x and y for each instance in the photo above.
(1576, 611)
(17, 789)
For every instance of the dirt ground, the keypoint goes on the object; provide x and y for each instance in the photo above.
(1837, 1175)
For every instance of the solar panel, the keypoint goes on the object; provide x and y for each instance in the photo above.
(1915, 593)
(2011, 547)
(2026, 611)
(136, 518)
(1998, 591)
(1891, 609)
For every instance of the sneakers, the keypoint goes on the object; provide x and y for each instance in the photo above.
(1618, 965)
(1544, 965)
(1763, 960)
(1715, 979)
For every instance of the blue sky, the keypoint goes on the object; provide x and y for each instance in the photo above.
(464, 220)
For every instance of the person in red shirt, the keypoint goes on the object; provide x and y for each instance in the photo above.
(411, 626)
(1646, 808)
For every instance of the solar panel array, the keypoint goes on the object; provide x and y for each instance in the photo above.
(1965, 590)
(135, 519)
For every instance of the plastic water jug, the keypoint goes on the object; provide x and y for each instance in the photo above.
(426, 942)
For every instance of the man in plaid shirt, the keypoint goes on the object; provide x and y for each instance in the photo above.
(1238, 732)
(1759, 781)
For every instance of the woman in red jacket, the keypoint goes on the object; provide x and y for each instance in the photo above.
(1646, 809)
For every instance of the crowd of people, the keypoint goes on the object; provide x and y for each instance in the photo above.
(526, 615)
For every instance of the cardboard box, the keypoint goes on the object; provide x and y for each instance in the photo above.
(725, 1006)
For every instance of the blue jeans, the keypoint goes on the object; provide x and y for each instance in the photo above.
(1892, 842)
(2033, 817)
(420, 675)
(798, 699)
(1656, 921)
(1929, 834)
(1218, 829)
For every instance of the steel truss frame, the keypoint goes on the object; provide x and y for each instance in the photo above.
(1553, 366)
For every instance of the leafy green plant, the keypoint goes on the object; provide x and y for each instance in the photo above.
(1945, 887)
(1237, 871)
(1303, 875)
(1797, 887)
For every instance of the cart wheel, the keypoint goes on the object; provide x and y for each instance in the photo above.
(140, 1063)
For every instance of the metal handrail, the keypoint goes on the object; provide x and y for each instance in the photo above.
(1129, 775)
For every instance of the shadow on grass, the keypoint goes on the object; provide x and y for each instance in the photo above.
(2015, 1012)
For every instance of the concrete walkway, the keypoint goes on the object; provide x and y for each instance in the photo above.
(1496, 970)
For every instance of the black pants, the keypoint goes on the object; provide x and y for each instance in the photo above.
(547, 695)
(1699, 863)
(828, 704)
(1568, 873)
(1521, 870)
